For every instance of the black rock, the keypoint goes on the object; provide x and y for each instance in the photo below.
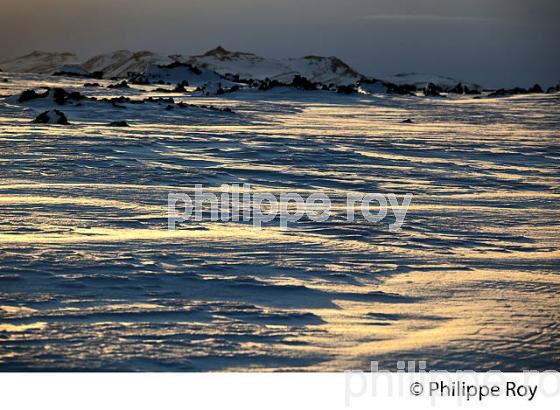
(535, 89)
(472, 92)
(508, 92)
(265, 85)
(119, 124)
(71, 74)
(29, 95)
(408, 121)
(92, 85)
(175, 64)
(180, 87)
(499, 93)
(51, 117)
(97, 75)
(404, 89)
(345, 89)
(138, 78)
(160, 100)
(432, 90)
(458, 89)
(122, 84)
(119, 100)
(302, 83)
(61, 96)
(233, 78)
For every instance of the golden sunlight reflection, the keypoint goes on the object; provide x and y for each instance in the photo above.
(91, 278)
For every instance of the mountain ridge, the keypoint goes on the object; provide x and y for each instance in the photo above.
(120, 63)
(238, 65)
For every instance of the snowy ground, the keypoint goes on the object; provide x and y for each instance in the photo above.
(90, 278)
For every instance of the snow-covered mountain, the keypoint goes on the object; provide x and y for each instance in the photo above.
(39, 62)
(72, 70)
(207, 82)
(234, 65)
(326, 70)
(246, 66)
(421, 80)
(178, 72)
(122, 62)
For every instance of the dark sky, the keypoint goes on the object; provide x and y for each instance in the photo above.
(493, 42)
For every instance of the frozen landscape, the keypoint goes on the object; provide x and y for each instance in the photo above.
(91, 279)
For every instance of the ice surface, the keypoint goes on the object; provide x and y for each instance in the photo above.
(90, 278)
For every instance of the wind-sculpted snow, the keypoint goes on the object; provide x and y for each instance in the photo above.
(91, 279)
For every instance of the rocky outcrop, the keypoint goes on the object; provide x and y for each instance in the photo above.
(462, 90)
(401, 89)
(505, 92)
(58, 96)
(122, 84)
(48, 97)
(345, 89)
(72, 70)
(29, 95)
(303, 83)
(535, 89)
(51, 117)
(432, 90)
(553, 89)
(119, 124)
(61, 96)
